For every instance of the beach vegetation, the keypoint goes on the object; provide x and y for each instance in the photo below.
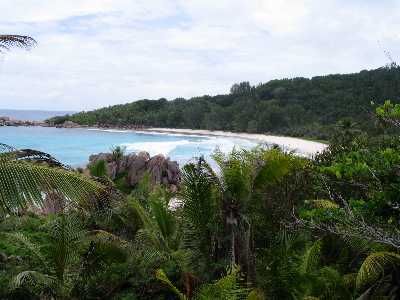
(262, 223)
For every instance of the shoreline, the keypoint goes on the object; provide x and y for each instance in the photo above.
(297, 145)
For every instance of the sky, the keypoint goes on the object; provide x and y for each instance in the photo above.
(95, 53)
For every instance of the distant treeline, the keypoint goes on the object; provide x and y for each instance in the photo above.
(296, 107)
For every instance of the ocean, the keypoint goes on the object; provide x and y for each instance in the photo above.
(74, 146)
(31, 115)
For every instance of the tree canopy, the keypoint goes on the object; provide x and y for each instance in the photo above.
(296, 107)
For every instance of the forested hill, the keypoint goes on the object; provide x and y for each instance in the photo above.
(295, 107)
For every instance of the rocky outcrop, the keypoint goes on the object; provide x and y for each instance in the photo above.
(69, 124)
(6, 121)
(161, 169)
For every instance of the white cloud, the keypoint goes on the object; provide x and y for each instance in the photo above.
(103, 52)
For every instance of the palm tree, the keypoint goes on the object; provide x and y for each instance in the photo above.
(8, 41)
(54, 274)
(75, 253)
(27, 176)
(217, 206)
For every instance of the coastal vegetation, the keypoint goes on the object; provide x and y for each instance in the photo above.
(298, 107)
(264, 224)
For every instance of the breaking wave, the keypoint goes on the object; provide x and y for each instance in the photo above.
(154, 148)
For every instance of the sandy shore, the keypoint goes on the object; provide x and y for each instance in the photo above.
(301, 146)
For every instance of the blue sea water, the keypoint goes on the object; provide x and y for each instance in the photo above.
(31, 115)
(74, 146)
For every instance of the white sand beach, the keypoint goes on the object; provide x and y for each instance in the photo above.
(300, 146)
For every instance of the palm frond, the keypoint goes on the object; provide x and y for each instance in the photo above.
(256, 294)
(8, 41)
(229, 287)
(66, 232)
(32, 247)
(374, 267)
(160, 275)
(311, 258)
(24, 183)
(98, 169)
(150, 232)
(33, 281)
(350, 280)
(198, 194)
(163, 217)
(109, 245)
(38, 157)
(237, 170)
(273, 165)
(333, 282)
(201, 198)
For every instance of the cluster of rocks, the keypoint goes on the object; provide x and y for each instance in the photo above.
(68, 124)
(160, 169)
(6, 121)
(71, 124)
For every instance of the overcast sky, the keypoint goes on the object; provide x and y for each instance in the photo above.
(94, 53)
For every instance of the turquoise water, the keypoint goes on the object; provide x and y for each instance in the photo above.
(74, 146)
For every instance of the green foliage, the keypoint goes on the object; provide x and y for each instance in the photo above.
(229, 287)
(296, 228)
(388, 111)
(296, 107)
(117, 153)
(98, 169)
(374, 267)
(160, 275)
(23, 183)
(55, 274)
(200, 206)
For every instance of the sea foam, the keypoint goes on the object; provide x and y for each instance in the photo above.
(154, 148)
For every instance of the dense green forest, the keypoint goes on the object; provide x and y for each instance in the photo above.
(295, 107)
(267, 225)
